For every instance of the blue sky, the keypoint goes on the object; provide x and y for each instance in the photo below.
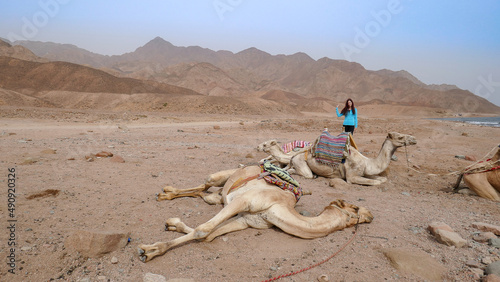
(453, 42)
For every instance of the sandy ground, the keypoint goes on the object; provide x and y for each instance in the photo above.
(180, 150)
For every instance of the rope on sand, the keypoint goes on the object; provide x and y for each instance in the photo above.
(321, 262)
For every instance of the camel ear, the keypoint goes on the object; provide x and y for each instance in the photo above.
(390, 135)
(273, 142)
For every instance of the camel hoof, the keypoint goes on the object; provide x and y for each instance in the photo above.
(140, 251)
(143, 259)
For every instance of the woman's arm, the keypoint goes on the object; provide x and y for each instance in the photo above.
(337, 110)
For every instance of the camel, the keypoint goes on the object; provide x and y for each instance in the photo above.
(255, 203)
(357, 168)
(484, 178)
(276, 152)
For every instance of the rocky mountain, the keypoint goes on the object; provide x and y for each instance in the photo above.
(253, 73)
(18, 52)
(23, 75)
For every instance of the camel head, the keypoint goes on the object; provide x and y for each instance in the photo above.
(400, 140)
(354, 211)
(264, 147)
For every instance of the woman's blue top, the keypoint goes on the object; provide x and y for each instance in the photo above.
(350, 119)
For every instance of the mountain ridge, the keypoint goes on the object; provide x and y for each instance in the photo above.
(251, 71)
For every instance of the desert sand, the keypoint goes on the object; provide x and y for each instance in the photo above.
(48, 149)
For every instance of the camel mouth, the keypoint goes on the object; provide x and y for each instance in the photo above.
(411, 142)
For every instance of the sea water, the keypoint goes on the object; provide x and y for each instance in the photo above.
(484, 121)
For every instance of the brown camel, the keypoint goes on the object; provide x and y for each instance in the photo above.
(276, 152)
(357, 168)
(484, 178)
(252, 202)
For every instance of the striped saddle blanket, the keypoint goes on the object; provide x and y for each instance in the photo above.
(288, 147)
(330, 149)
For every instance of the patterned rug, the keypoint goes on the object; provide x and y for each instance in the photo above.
(288, 147)
(330, 149)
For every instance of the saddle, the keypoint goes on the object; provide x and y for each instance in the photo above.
(329, 149)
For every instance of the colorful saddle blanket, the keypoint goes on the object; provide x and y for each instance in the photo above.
(281, 178)
(288, 147)
(330, 149)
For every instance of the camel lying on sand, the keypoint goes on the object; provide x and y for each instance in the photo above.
(484, 178)
(276, 152)
(253, 202)
(357, 168)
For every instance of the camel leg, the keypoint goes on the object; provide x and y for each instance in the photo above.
(237, 224)
(478, 182)
(382, 179)
(233, 224)
(217, 179)
(175, 224)
(299, 166)
(148, 252)
(362, 181)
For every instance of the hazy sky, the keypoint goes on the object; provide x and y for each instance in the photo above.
(445, 41)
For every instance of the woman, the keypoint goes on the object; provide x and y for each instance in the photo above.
(350, 114)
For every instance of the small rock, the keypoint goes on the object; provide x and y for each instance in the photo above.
(216, 127)
(486, 260)
(461, 157)
(470, 158)
(493, 268)
(434, 226)
(150, 277)
(305, 213)
(473, 264)
(117, 159)
(114, 260)
(477, 272)
(96, 244)
(49, 152)
(104, 154)
(483, 237)
(494, 242)
(417, 262)
(450, 238)
(487, 227)
(491, 278)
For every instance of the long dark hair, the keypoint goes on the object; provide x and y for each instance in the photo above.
(346, 107)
